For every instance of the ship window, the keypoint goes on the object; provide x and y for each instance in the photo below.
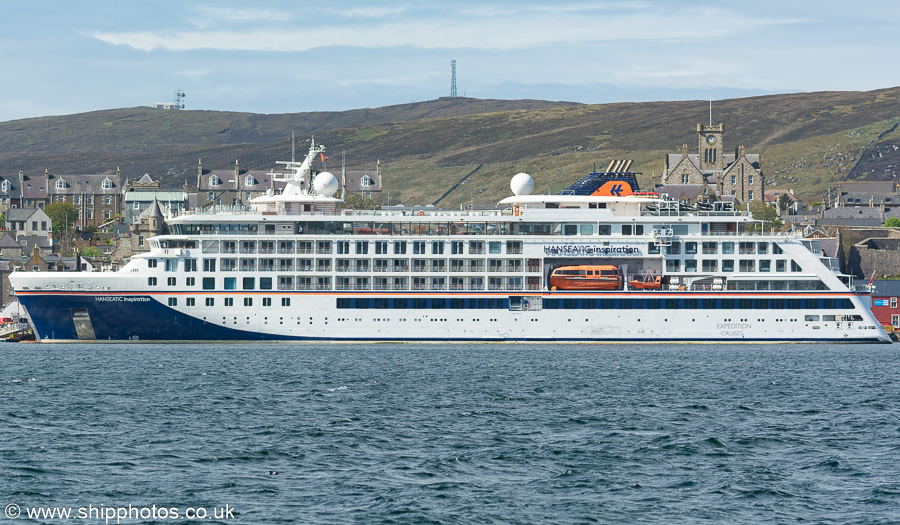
(570, 229)
(190, 301)
(765, 266)
(362, 247)
(151, 281)
(209, 283)
(265, 283)
(652, 248)
(189, 281)
(210, 301)
(673, 265)
(674, 248)
(727, 247)
(710, 247)
(248, 301)
(456, 247)
(285, 301)
(710, 265)
(267, 301)
(747, 266)
(209, 265)
(727, 265)
(230, 283)
(762, 247)
(494, 247)
(690, 248)
(151, 263)
(776, 249)
(249, 283)
(171, 265)
(399, 247)
(419, 247)
(604, 229)
(437, 247)
(381, 247)
(780, 265)
(172, 281)
(690, 265)
(173, 301)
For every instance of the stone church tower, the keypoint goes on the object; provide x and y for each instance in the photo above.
(712, 174)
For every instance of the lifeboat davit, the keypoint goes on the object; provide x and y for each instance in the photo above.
(586, 277)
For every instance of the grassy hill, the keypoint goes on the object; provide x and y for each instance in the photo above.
(806, 141)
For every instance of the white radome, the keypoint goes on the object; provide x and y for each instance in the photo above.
(325, 184)
(522, 184)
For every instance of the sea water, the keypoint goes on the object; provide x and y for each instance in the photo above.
(428, 433)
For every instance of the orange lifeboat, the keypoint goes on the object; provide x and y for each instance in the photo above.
(647, 284)
(586, 277)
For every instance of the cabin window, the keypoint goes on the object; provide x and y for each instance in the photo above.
(652, 248)
(690, 248)
(210, 301)
(437, 247)
(570, 229)
(381, 247)
(780, 265)
(747, 266)
(249, 283)
(762, 247)
(190, 301)
(765, 266)
(151, 263)
(419, 247)
(604, 229)
(710, 248)
(690, 265)
(674, 248)
(727, 247)
(248, 301)
(727, 265)
(173, 301)
(399, 247)
(209, 283)
(673, 265)
(795, 267)
(362, 247)
(586, 229)
(493, 247)
(151, 281)
(230, 283)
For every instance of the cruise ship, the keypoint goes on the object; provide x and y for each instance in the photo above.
(296, 267)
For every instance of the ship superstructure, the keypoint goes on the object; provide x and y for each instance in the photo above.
(294, 267)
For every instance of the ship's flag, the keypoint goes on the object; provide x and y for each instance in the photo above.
(324, 157)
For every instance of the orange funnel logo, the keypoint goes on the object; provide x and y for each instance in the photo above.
(613, 188)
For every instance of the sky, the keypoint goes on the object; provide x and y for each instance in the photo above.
(61, 57)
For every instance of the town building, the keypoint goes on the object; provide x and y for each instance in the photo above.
(711, 174)
(885, 302)
(233, 187)
(29, 221)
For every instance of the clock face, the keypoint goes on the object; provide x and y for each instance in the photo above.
(711, 139)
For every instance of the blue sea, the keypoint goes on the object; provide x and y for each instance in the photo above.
(481, 433)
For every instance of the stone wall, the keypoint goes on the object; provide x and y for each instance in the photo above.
(879, 255)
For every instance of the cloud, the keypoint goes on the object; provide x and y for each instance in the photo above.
(517, 29)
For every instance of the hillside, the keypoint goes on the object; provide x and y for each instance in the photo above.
(806, 141)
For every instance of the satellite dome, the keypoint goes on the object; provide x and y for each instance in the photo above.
(325, 184)
(521, 184)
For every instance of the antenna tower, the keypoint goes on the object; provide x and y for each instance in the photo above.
(453, 77)
(179, 99)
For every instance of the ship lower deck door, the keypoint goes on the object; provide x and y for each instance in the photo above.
(83, 326)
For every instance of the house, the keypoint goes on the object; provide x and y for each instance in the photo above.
(136, 202)
(863, 193)
(884, 302)
(95, 196)
(29, 221)
(233, 187)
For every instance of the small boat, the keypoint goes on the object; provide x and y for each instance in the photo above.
(646, 284)
(586, 277)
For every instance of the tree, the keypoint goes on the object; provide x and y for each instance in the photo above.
(769, 215)
(63, 215)
(91, 252)
(892, 222)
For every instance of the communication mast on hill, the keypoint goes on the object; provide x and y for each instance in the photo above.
(453, 77)
(179, 99)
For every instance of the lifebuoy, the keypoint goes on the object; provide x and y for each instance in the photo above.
(421, 213)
